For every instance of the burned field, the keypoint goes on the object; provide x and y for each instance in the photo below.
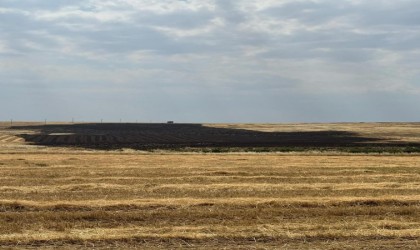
(58, 188)
(225, 137)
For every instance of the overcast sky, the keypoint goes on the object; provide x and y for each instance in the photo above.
(210, 60)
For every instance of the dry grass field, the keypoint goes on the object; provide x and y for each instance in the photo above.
(65, 191)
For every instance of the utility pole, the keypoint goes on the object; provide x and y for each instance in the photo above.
(45, 122)
(11, 122)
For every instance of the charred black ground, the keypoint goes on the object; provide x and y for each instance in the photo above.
(198, 136)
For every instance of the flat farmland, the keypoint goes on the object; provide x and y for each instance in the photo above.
(75, 195)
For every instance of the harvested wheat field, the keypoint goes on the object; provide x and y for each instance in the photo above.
(78, 197)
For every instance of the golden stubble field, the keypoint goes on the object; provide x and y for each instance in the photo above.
(78, 198)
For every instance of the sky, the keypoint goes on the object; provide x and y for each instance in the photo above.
(210, 60)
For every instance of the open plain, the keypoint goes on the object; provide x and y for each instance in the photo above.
(233, 186)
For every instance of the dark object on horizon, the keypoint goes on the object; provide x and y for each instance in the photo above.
(170, 122)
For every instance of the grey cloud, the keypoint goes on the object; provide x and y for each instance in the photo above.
(227, 63)
(230, 11)
(35, 4)
(402, 13)
(311, 13)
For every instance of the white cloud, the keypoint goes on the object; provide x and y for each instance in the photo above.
(251, 6)
(213, 25)
(13, 11)
(74, 12)
(164, 6)
(3, 47)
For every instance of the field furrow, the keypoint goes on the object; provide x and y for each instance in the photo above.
(205, 200)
